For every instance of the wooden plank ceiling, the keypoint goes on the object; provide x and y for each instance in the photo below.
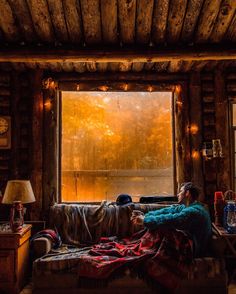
(117, 24)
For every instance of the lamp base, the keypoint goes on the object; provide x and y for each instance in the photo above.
(17, 216)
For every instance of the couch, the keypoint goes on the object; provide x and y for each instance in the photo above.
(80, 225)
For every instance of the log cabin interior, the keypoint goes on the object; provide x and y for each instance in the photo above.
(51, 47)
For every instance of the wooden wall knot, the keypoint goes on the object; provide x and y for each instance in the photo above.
(52, 197)
(49, 84)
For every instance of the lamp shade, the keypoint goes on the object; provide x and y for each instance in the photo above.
(18, 190)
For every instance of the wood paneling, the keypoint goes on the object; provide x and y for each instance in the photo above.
(73, 20)
(111, 24)
(191, 18)
(102, 66)
(7, 22)
(207, 19)
(80, 66)
(137, 66)
(231, 32)
(175, 66)
(161, 66)
(50, 139)
(226, 13)
(109, 21)
(175, 20)
(127, 13)
(159, 23)
(41, 20)
(24, 21)
(222, 132)
(36, 157)
(5, 109)
(91, 21)
(58, 20)
(144, 20)
(195, 130)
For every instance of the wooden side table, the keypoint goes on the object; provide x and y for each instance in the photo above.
(14, 260)
(230, 240)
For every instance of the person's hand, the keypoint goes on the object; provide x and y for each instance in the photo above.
(137, 218)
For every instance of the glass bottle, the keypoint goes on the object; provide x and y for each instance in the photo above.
(230, 217)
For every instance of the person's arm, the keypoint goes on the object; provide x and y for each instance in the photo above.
(169, 219)
(165, 210)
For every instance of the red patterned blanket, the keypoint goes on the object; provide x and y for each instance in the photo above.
(164, 256)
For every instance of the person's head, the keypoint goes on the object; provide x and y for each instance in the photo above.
(123, 199)
(188, 193)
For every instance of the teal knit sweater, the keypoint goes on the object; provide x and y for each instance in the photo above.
(194, 219)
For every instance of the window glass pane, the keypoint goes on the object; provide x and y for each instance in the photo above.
(234, 141)
(234, 162)
(234, 114)
(116, 142)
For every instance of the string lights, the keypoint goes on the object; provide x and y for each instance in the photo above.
(177, 92)
(193, 129)
(130, 87)
(103, 88)
(195, 154)
(150, 88)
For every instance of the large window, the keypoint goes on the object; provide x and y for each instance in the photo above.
(116, 142)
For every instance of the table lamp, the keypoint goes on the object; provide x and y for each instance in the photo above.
(17, 193)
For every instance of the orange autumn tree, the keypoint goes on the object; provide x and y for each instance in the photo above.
(116, 131)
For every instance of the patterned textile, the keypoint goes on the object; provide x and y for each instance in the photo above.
(163, 256)
(85, 224)
(49, 234)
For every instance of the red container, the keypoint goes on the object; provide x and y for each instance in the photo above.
(218, 196)
(219, 205)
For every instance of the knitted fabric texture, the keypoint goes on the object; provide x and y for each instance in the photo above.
(193, 219)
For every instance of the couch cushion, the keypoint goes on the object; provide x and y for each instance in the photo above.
(82, 224)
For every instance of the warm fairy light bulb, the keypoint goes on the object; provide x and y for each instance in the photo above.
(48, 104)
(194, 129)
(178, 89)
(150, 88)
(125, 87)
(41, 105)
(103, 88)
(179, 103)
(195, 154)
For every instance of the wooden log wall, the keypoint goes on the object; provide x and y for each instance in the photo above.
(216, 90)
(205, 98)
(15, 101)
(5, 154)
(230, 86)
(195, 130)
(208, 133)
(36, 176)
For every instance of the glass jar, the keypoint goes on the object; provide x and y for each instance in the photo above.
(230, 217)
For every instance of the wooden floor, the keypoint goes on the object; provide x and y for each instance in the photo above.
(231, 289)
(28, 289)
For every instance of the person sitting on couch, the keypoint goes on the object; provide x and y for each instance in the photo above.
(190, 216)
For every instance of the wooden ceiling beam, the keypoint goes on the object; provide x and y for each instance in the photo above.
(122, 55)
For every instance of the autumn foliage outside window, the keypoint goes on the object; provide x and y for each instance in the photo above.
(116, 142)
